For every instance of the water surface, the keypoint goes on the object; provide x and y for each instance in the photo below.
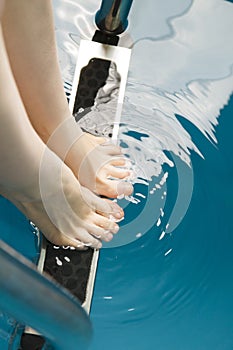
(166, 281)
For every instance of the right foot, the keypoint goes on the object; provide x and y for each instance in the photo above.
(98, 164)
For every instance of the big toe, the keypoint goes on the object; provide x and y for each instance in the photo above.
(124, 188)
(114, 188)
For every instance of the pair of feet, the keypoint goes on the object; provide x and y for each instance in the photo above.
(72, 213)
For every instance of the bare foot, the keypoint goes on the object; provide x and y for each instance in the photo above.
(102, 168)
(73, 215)
(97, 163)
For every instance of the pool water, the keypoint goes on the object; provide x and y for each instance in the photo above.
(146, 300)
(166, 281)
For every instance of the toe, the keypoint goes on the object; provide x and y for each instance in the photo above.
(114, 188)
(117, 173)
(64, 240)
(82, 238)
(97, 139)
(100, 233)
(106, 224)
(102, 206)
(111, 149)
(118, 161)
(124, 188)
(116, 211)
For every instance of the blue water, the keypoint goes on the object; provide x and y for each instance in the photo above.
(182, 300)
(171, 291)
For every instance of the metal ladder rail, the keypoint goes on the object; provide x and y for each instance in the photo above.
(37, 301)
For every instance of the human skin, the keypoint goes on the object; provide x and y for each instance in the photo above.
(83, 218)
(30, 41)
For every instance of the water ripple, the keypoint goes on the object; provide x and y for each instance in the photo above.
(181, 71)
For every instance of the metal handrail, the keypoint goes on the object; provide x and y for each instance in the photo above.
(112, 16)
(36, 301)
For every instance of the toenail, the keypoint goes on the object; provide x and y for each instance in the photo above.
(87, 244)
(115, 229)
(116, 218)
(109, 236)
(82, 246)
(121, 219)
(124, 188)
(112, 218)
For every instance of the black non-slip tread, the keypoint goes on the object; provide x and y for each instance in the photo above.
(92, 78)
(70, 268)
(31, 342)
(73, 273)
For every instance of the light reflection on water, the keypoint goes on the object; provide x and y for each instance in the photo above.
(168, 287)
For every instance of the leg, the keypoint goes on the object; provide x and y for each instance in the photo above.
(30, 40)
(1, 7)
(37, 181)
